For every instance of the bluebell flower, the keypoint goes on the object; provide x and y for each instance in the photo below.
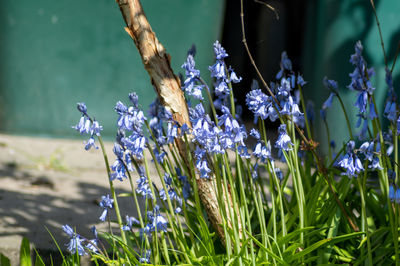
(133, 97)
(143, 187)
(283, 90)
(283, 141)
(243, 152)
(203, 168)
(221, 88)
(331, 85)
(190, 85)
(300, 81)
(369, 149)
(390, 111)
(159, 155)
(310, 111)
(171, 191)
(278, 173)
(260, 104)
(75, 242)
(135, 143)
(218, 70)
(332, 144)
(155, 221)
(87, 126)
(219, 51)
(372, 113)
(130, 118)
(361, 102)
(118, 170)
(254, 172)
(92, 244)
(255, 134)
(286, 65)
(172, 132)
(106, 203)
(398, 125)
(360, 78)
(328, 103)
(90, 143)
(83, 127)
(350, 161)
(322, 113)
(130, 221)
(391, 175)
(186, 188)
(96, 128)
(262, 151)
(392, 193)
(233, 77)
(82, 108)
(145, 258)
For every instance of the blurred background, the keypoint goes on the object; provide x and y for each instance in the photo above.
(57, 53)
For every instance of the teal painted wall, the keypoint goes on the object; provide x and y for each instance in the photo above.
(332, 31)
(57, 53)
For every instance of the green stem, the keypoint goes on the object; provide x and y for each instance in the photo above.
(345, 116)
(116, 206)
(364, 224)
(303, 105)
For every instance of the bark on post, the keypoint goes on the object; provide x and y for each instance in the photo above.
(157, 63)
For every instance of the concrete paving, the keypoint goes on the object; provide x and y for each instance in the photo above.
(45, 183)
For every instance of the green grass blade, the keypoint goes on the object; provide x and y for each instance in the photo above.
(323, 242)
(4, 261)
(25, 253)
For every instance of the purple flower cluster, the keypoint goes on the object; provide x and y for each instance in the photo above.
(106, 203)
(371, 150)
(130, 221)
(264, 106)
(191, 84)
(283, 142)
(260, 103)
(360, 81)
(350, 162)
(261, 150)
(155, 221)
(222, 75)
(131, 120)
(87, 126)
(394, 194)
(76, 242)
(173, 196)
(143, 186)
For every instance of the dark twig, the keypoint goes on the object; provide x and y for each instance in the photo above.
(270, 7)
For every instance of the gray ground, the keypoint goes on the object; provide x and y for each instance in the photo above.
(45, 183)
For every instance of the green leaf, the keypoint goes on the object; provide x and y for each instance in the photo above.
(25, 253)
(4, 261)
(272, 254)
(324, 242)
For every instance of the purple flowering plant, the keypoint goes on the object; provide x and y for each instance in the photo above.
(289, 203)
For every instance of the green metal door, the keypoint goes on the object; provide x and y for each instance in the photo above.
(57, 53)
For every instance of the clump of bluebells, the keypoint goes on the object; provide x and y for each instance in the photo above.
(281, 201)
